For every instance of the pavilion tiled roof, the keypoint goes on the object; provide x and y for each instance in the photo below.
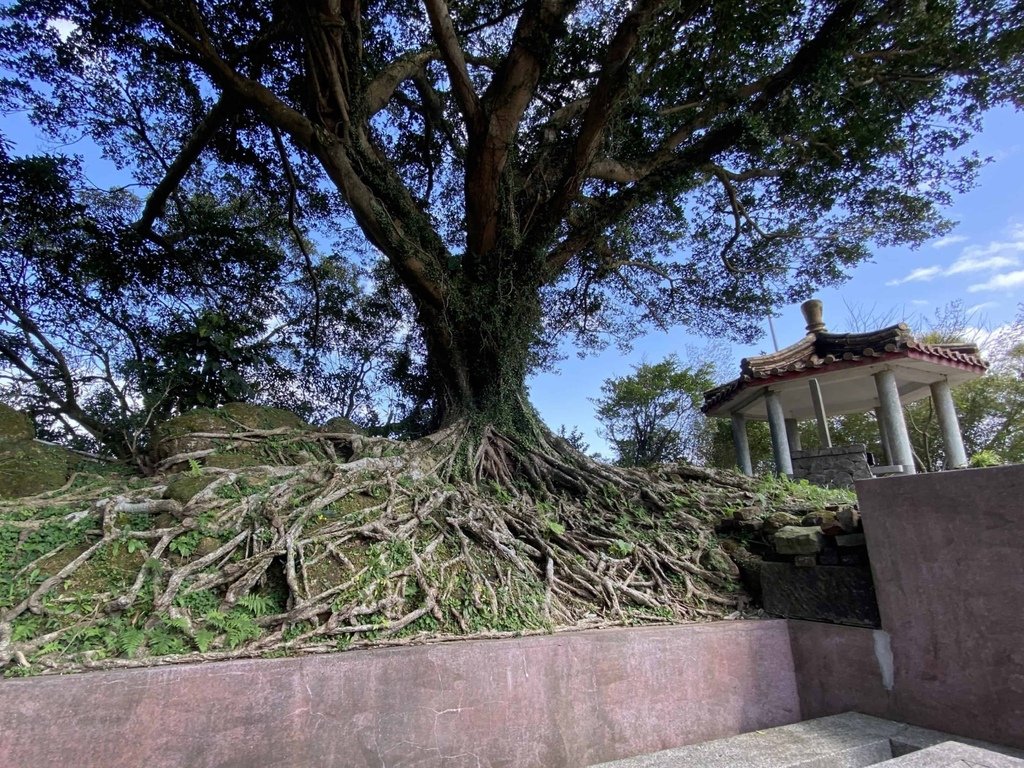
(819, 350)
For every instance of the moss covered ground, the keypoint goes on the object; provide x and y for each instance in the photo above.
(362, 543)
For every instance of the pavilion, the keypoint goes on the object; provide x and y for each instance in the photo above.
(828, 374)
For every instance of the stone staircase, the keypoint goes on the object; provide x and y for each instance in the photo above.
(850, 740)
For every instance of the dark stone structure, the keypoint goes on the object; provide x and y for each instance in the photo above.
(844, 595)
(835, 467)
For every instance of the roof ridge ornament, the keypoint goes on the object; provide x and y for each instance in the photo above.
(813, 314)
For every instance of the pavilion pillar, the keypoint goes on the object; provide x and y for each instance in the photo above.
(793, 435)
(952, 440)
(777, 427)
(892, 418)
(741, 444)
(824, 438)
(883, 434)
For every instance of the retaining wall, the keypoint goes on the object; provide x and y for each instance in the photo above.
(947, 559)
(559, 700)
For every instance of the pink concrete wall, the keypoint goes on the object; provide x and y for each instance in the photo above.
(561, 700)
(947, 557)
(838, 670)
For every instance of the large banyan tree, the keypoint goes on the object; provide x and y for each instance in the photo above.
(531, 170)
(544, 168)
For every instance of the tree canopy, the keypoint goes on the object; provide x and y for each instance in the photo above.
(536, 169)
(653, 415)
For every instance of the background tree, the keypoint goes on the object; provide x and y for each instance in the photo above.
(572, 165)
(653, 416)
(103, 333)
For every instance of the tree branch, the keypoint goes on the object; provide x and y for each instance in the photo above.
(455, 62)
(382, 87)
(669, 163)
(187, 156)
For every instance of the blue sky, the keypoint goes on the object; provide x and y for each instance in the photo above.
(981, 262)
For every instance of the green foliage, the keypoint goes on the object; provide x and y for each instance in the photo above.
(653, 415)
(621, 548)
(553, 527)
(752, 152)
(257, 605)
(167, 637)
(18, 549)
(772, 488)
(986, 459)
(185, 544)
(237, 625)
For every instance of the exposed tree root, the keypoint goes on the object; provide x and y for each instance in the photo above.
(394, 546)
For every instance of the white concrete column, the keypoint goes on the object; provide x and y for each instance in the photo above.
(952, 440)
(892, 417)
(777, 426)
(793, 435)
(741, 444)
(883, 434)
(824, 438)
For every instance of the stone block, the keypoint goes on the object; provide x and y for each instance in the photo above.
(849, 519)
(915, 738)
(850, 740)
(951, 754)
(798, 540)
(805, 561)
(748, 513)
(842, 595)
(851, 540)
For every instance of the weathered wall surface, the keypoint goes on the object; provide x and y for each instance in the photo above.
(562, 700)
(841, 669)
(835, 467)
(948, 565)
(948, 568)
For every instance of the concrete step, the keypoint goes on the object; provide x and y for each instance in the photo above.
(850, 740)
(950, 754)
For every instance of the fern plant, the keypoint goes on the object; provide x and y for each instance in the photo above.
(238, 625)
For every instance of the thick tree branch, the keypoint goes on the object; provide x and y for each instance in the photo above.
(187, 156)
(382, 87)
(611, 83)
(386, 232)
(455, 63)
(836, 33)
(509, 94)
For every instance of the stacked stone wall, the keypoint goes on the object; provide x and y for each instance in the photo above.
(835, 467)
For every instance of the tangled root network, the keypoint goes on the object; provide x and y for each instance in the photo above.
(447, 537)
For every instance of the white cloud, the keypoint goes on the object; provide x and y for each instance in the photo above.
(997, 247)
(1007, 281)
(919, 302)
(942, 242)
(975, 264)
(989, 340)
(920, 274)
(984, 305)
(63, 28)
(994, 256)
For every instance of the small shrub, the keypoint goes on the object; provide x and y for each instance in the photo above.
(986, 459)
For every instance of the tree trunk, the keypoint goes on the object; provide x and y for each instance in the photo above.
(479, 351)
